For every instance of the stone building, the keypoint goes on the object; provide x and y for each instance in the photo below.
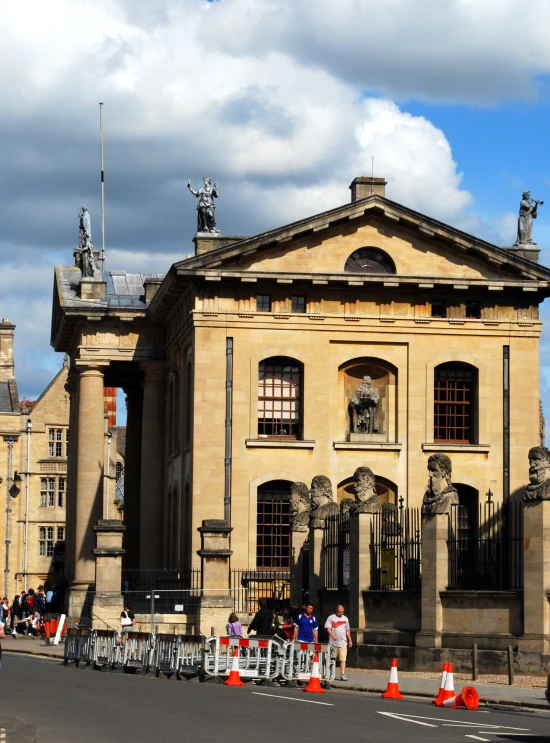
(243, 368)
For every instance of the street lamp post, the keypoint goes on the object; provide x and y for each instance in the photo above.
(9, 440)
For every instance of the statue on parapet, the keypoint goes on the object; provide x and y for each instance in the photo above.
(322, 502)
(206, 220)
(440, 494)
(527, 212)
(539, 474)
(366, 499)
(364, 408)
(84, 254)
(300, 506)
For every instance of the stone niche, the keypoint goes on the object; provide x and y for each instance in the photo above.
(384, 378)
(386, 490)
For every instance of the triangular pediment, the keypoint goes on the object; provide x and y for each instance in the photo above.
(420, 247)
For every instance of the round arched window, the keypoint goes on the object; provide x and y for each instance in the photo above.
(369, 260)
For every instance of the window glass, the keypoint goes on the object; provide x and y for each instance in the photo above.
(369, 260)
(455, 393)
(263, 303)
(273, 525)
(279, 398)
(298, 304)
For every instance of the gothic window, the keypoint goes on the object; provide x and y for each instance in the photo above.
(455, 403)
(369, 260)
(273, 525)
(61, 492)
(279, 398)
(60, 533)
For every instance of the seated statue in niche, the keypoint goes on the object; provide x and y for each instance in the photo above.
(366, 500)
(441, 493)
(539, 474)
(300, 506)
(364, 406)
(322, 502)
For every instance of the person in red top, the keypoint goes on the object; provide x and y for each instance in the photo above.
(337, 626)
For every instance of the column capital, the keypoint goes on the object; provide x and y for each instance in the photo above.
(153, 370)
(91, 368)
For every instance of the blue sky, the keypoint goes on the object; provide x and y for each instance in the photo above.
(283, 103)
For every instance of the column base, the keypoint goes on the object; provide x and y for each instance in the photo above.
(214, 612)
(534, 644)
(79, 601)
(428, 640)
(106, 610)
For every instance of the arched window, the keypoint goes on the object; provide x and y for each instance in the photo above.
(273, 525)
(369, 260)
(119, 470)
(455, 403)
(279, 398)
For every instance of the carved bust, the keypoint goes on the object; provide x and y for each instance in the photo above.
(539, 474)
(322, 502)
(300, 506)
(441, 493)
(366, 500)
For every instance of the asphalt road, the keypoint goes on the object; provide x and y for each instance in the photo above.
(85, 706)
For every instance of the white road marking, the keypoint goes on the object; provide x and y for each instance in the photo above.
(292, 699)
(476, 737)
(406, 719)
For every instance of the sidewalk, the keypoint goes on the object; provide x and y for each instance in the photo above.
(357, 681)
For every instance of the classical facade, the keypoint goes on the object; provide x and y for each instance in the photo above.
(366, 336)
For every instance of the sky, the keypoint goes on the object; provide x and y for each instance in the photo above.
(283, 102)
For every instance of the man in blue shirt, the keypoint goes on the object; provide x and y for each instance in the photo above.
(306, 627)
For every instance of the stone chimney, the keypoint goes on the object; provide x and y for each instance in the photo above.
(367, 185)
(7, 365)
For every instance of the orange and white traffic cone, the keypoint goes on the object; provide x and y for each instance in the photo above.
(314, 684)
(437, 700)
(449, 690)
(392, 690)
(468, 699)
(234, 677)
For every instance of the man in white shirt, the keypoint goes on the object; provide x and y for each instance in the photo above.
(337, 626)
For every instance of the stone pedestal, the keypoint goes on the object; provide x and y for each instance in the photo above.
(316, 577)
(360, 564)
(92, 290)
(89, 487)
(435, 566)
(299, 538)
(216, 602)
(531, 252)
(536, 577)
(108, 599)
(152, 466)
(207, 241)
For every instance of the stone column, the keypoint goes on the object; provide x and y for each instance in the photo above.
(298, 539)
(215, 605)
(316, 577)
(536, 577)
(108, 599)
(435, 567)
(360, 564)
(89, 485)
(71, 386)
(152, 465)
(132, 474)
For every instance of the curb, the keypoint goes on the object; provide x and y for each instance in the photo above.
(27, 654)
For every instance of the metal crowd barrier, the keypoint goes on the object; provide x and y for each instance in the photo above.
(72, 646)
(164, 653)
(85, 637)
(188, 656)
(105, 650)
(138, 650)
(258, 658)
(297, 661)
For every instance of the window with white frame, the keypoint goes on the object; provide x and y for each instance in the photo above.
(46, 541)
(60, 533)
(52, 490)
(61, 492)
(55, 442)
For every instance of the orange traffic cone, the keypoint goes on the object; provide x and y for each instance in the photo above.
(314, 684)
(437, 700)
(449, 690)
(392, 691)
(468, 698)
(234, 677)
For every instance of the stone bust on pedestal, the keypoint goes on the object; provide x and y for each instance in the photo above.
(539, 474)
(300, 506)
(322, 502)
(366, 499)
(440, 494)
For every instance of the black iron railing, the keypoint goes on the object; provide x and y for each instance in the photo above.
(395, 549)
(336, 552)
(250, 585)
(485, 545)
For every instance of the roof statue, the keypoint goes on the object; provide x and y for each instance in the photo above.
(527, 212)
(206, 221)
(84, 254)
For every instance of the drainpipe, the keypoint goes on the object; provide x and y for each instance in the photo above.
(108, 469)
(27, 499)
(228, 423)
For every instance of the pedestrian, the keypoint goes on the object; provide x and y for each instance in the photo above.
(23, 606)
(262, 621)
(2, 635)
(127, 621)
(286, 631)
(233, 626)
(4, 612)
(337, 626)
(40, 600)
(306, 627)
(30, 600)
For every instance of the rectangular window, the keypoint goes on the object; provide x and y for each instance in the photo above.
(263, 303)
(49, 543)
(55, 442)
(473, 309)
(51, 443)
(45, 541)
(51, 491)
(42, 541)
(61, 492)
(454, 400)
(273, 526)
(279, 383)
(60, 533)
(439, 309)
(298, 304)
(43, 492)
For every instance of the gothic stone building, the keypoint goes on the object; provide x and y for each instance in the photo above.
(240, 363)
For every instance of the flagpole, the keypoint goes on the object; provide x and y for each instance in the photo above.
(102, 188)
